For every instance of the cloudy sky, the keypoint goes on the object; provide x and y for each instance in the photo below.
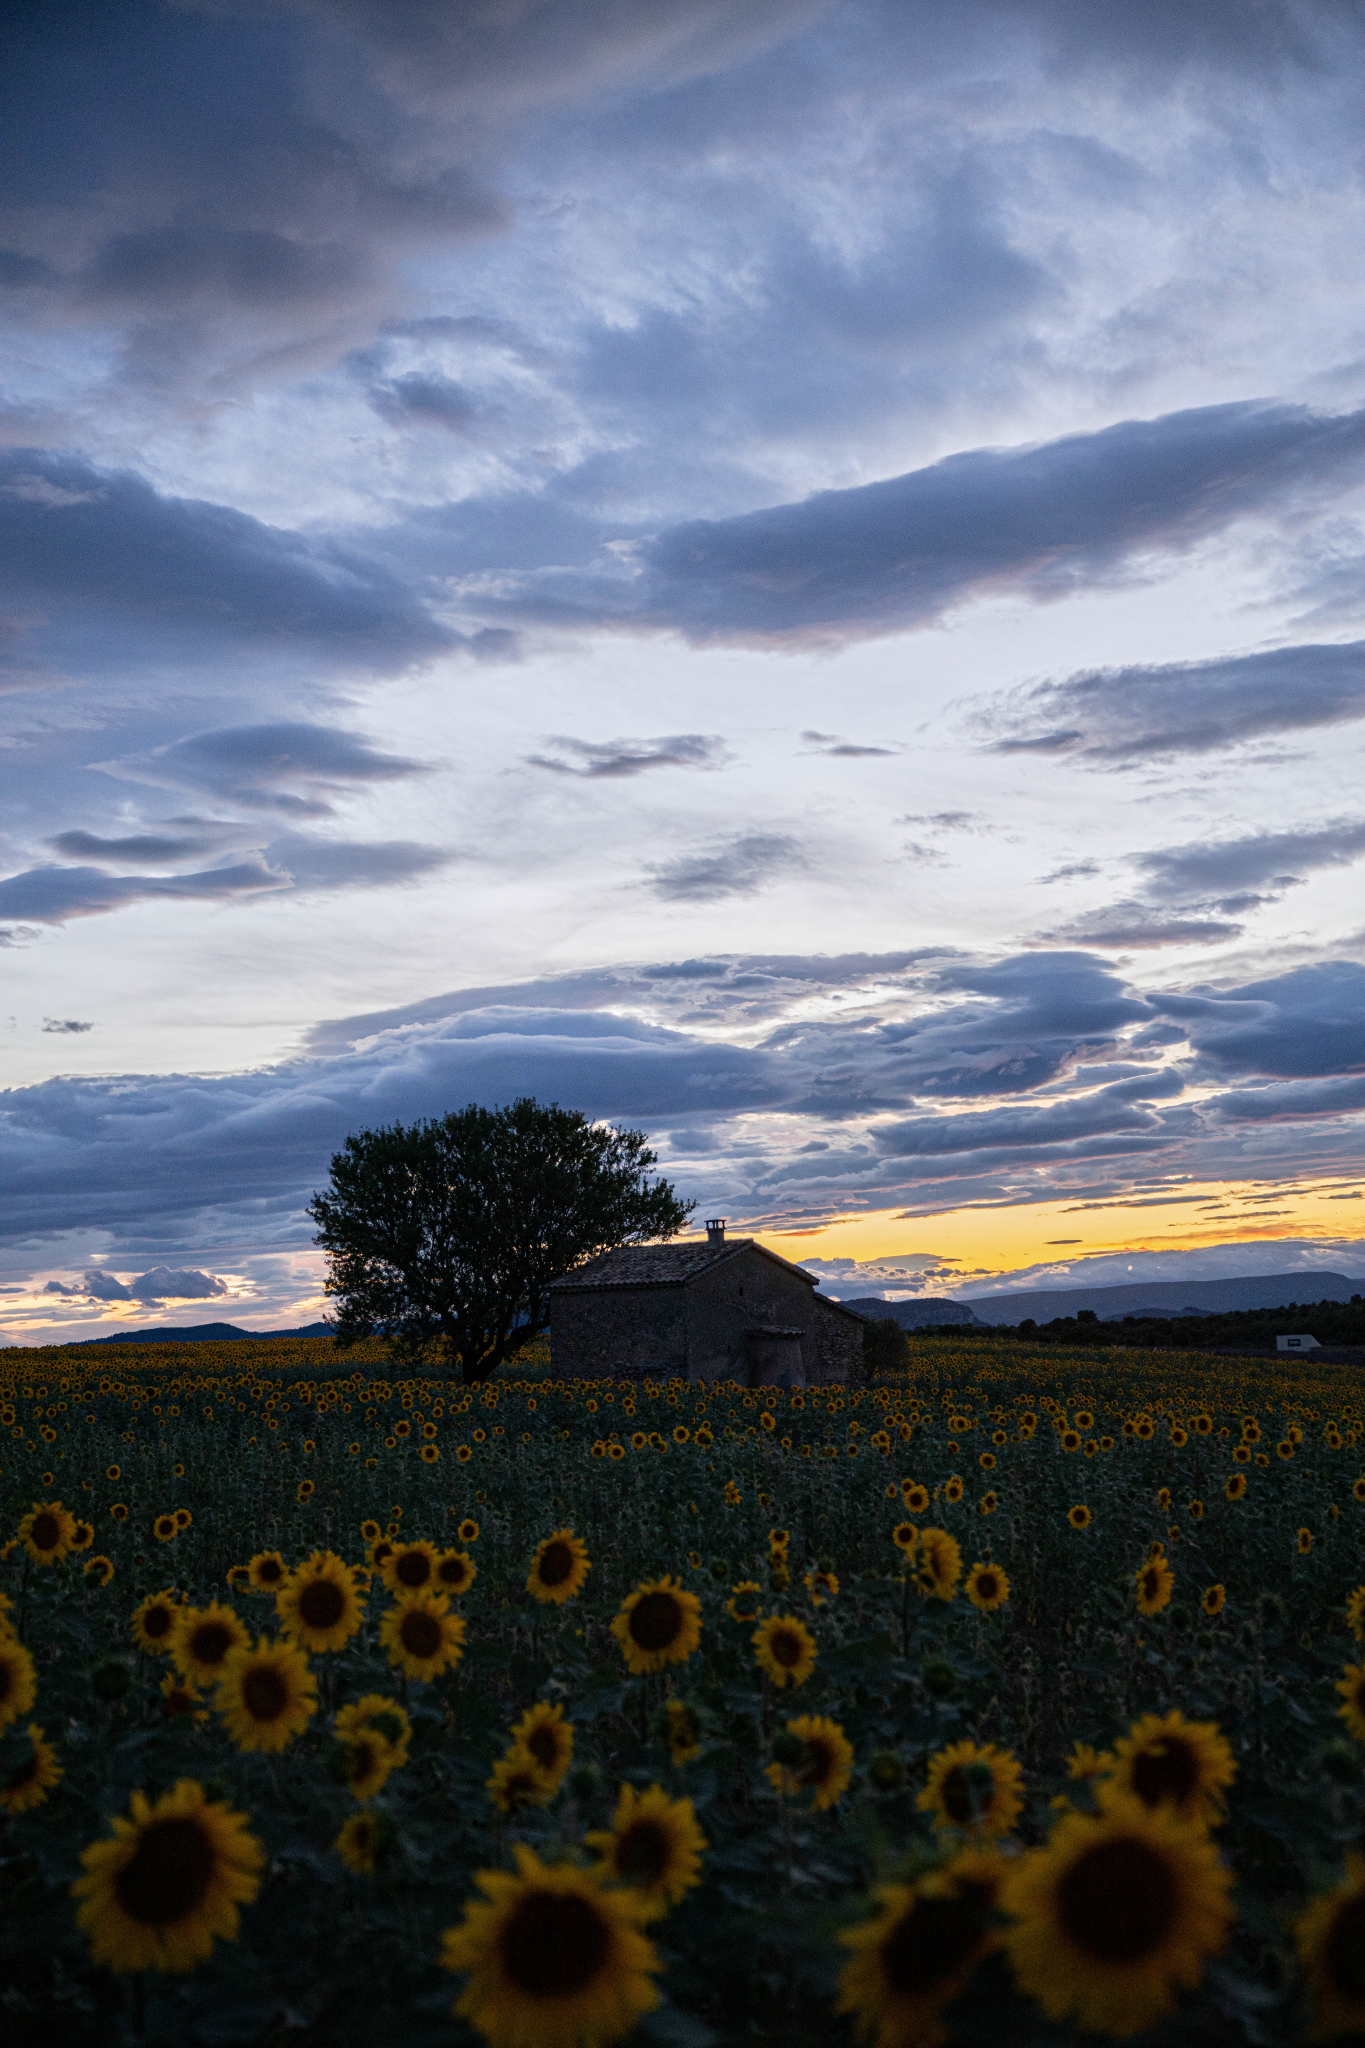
(790, 573)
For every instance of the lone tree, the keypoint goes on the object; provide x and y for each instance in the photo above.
(450, 1231)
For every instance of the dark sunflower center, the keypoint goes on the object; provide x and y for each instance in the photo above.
(1344, 1955)
(269, 1572)
(210, 1642)
(264, 1693)
(46, 1531)
(544, 1746)
(553, 1944)
(986, 1586)
(1170, 1771)
(413, 1568)
(1118, 1900)
(177, 1702)
(1151, 1583)
(451, 1573)
(364, 1757)
(420, 1634)
(656, 1621)
(168, 1875)
(24, 1775)
(157, 1621)
(165, 1526)
(642, 1852)
(556, 1565)
(785, 1645)
(930, 1944)
(321, 1604)
(956, 1794)
(818, 1767)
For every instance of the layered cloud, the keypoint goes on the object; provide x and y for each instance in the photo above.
(1041, 522)
(949, 1081)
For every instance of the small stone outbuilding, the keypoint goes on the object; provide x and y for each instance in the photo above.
(712, 1308)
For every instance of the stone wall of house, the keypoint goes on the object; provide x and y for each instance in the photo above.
(698, 1331)
(841, 1347)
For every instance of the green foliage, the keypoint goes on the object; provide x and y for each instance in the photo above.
(886, 1348)
(448, 1233)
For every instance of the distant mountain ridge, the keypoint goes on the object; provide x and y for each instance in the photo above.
(203, 1333)
(911, 1315)
(1166, 1297)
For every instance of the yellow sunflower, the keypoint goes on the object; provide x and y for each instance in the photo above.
(1085, 1763)
(1114, 1914)
(974, 1789)
(1079, 1516)
(518, 1781)
(384, 1715)
(360, 1841)
(29, 1783)
(913, 1958)
(553, 1959)
(165, 1528)
(168, 1881)
(938, 1563)
(1351, 1686)
(267, 1572)
(658, 1624)
(987, 1587)
(1355, 1614)
(202, 1640)
(46, 1532)
(82, 1535)
(1155, 1582)
(365, 1761)
(547, 1738)
(558, 1568)
(1215, 1599)
(182, 1701)
(410, 1567)
(18, 1680)
(319, 1605)
(266, 1696)
(1236, 1486)
(1169, 1761)
(905, 1536)
(682, 1732)
(916, 1497)
(744, 1601)
(468, 1531)
(1330, 1937)
(154, 1621)
(98, 1570)
(456, 1571)
(653, 1845)
(422, 1636)
(825, 1766)
(784, 1649)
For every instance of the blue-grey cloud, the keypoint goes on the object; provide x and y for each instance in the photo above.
(66, 1027)
(99, 572)
(55, 895)
(745, 864)
(1132, 926)
(1042, 521)
(1307, 1023)
(613, 759)
(288, 766)
(1257, 860)
(1141, 711)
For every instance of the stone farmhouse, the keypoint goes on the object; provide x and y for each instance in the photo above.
(712, 1308)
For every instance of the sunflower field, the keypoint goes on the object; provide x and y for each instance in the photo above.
(1019, 1700)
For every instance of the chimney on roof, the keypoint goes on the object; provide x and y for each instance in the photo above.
(715, 1231)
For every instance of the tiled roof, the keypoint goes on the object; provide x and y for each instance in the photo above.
(653, 1265)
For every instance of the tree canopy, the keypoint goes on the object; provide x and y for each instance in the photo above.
(448, 1233)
